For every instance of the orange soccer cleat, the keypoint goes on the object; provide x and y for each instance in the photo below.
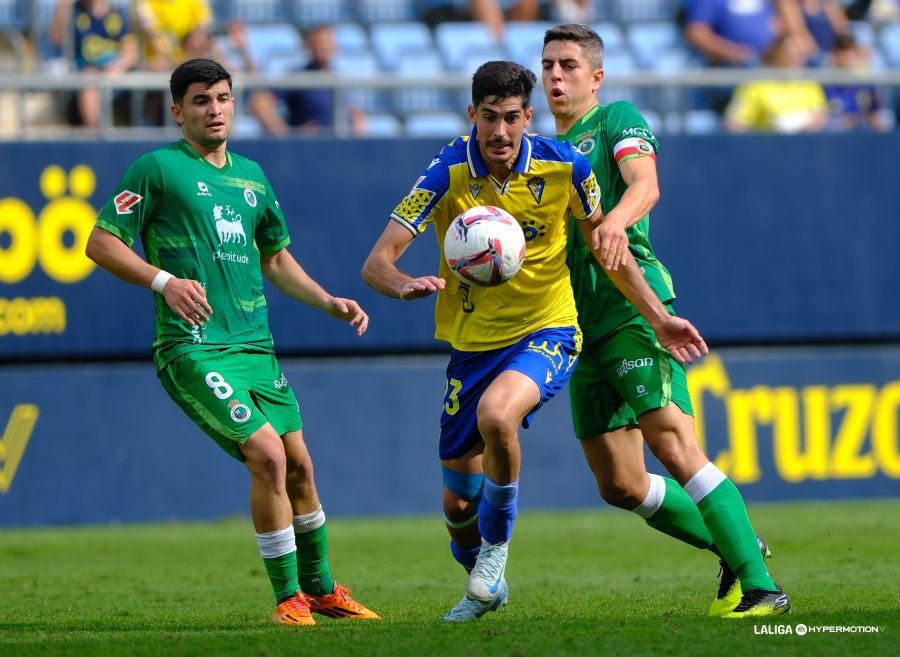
(338, 604)
(293, 611)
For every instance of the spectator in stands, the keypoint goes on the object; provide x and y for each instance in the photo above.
(817, 22)
(102, 43)
(309, 110)
(781, 106)
(164, 26)
(732, 33)
(202, 44)
(853, 106)
(493, 13)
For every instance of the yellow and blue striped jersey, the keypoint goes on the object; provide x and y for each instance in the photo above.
(550, 181)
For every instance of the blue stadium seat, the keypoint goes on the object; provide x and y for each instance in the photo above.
(456, 40)
(307, 13)
(383, 124)
(377, 11)
(863, 33)
(392, 40)
(351, 37)
(437, 124)
(631, 11)
(524, 41)
(890, 43)
(649, 40)
(701, 122)
(416, 69)
(613, 37)
(360, 65)
(258, 11)
(272, 40)
(12, 16)
(654, 120)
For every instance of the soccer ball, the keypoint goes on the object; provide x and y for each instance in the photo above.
(484, 245)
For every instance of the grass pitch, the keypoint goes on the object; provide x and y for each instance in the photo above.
(581, 583)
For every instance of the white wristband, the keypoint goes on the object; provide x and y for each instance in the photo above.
(159, 282)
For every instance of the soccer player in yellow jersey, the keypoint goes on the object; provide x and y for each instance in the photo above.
(515, 345)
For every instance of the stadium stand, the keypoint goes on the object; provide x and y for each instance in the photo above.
(436, 124)
(392, 40)
(378, 37)
(351, 37)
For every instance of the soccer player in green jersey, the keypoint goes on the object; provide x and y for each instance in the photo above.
(513, 345)
(211, 229)
(627, 389)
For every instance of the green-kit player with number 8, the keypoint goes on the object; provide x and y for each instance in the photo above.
(211, 229)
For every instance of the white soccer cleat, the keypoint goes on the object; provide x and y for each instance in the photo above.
(469, 609)
(486, 579)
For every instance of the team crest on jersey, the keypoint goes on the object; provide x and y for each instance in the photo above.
(592, 191)
(239, 412)
(536, 187)
(586, 146)
(250, 197)
(475, 189)
(204, 189)
(125, 201)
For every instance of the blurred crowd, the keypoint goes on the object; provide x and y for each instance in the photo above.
(115, 37)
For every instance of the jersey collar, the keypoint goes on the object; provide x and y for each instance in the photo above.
(580, 122)
(188, 149)
(477, 167)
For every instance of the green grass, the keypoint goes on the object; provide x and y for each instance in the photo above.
(581, 583)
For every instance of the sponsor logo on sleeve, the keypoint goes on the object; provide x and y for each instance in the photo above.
(125, 201)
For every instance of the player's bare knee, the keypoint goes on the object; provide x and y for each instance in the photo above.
(620, 493)
(497, 427)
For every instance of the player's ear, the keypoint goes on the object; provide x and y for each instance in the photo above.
(471, 112)
(177, 113)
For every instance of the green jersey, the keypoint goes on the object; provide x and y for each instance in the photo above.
(208, 224)
(607, 136)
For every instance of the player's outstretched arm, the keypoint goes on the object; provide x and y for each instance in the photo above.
(380, 269)
(641, 194)
(288, 276)
(185, 296)
(676, 334)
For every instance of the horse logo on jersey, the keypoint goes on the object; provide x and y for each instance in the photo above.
(231, 229)
(475, 189)
(250, 197)
(536, 187)
(125, 201)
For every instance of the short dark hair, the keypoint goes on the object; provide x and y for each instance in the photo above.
(502, 80)
(204, 71)
(590, 42)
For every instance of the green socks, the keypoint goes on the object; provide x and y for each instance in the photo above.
(283, 575)
(312, 553)
(670, 510)
(279, 555)
(725, 515)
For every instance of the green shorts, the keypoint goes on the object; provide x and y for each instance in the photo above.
(622, 375)
(232, 393)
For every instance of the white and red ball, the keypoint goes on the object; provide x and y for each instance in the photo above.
(484, 245)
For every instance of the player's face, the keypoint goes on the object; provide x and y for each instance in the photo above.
(206, 114)
(500, 124)
(570, 82)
